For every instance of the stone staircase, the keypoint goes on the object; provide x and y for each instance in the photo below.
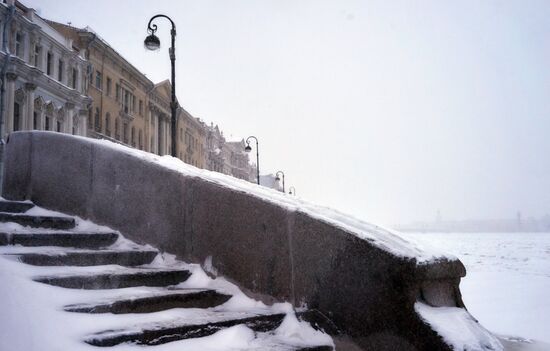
(91, 260)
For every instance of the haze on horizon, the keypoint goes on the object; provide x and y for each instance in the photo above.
(389, 111)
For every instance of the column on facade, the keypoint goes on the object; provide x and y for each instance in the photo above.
(44, 59)
(79, 79)
(82, 116)
(29, 118)
(153, 132)
(166, 136)
(53, 119)
(160, 141)
(55, 65)
(10, 99)
(40, 118)
(28, 51)
(69, 115)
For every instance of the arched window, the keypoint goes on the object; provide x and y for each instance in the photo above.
(96, 120)
(108, 124)
(117, 129)
(16, 116)
(125, 133)
(133, 137)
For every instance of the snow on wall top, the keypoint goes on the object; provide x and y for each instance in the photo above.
(383, 238)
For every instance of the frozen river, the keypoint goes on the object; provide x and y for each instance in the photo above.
(507, 285)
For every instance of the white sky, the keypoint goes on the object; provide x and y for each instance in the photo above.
(389, 110)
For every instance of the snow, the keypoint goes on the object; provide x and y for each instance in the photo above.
(458, 328)
(32, 316)
(508, 279)
(384, 238)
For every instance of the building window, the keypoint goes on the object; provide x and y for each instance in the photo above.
(126, 102)
(96, 120)
(133, 103)
(140, 108)
(109, 86)
(60, 71)
(108, 124)
(49, 64)
(16, 116)
(37, 54)
(74, 78)
(18, 44)
(58, 126)
(117, 92)
(35, 120)
(117, 129)
(125, 133)
(133, 137)
(140, 140)
(98, 80)
(47, 126)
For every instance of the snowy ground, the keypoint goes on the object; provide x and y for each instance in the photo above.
(507, 286)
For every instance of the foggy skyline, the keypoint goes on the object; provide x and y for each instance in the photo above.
(389, 111)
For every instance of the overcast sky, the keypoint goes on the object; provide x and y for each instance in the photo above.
(388, 110)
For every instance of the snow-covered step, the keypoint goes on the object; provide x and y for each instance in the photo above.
(54, 222)
(89, 258)
(116, 280)
(190, 298)
(64, 239)
(15, 206)
(97, 266)
(160, 334)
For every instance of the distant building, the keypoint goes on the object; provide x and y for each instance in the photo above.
(43, 74)
(214, 145)
(193, 134)
(236, 162)
(479, 226)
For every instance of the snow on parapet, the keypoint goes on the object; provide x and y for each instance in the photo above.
(383, 238)
(458, 328)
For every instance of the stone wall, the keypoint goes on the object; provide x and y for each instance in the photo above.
(267, 249)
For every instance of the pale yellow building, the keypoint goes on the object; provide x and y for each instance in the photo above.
(118, 90)
(192, 139)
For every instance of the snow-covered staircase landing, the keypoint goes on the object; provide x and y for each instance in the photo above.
(151, 298)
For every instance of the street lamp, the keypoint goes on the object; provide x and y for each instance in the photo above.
(292, 191)
(278, 179)
(248, 149)
(152, 42)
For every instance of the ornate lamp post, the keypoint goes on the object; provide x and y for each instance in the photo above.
(278, 179)
(292, 191)
(248, 149)
(152, 42)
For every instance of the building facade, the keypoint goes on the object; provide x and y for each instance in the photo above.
(119, 91)
(237, 162)
(43, 75)
(61, 78)
(214, 145)
(192, 143)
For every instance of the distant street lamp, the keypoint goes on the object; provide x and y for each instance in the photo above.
(278, 179)
(248, 149)
(292, 191)
(152, 42)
